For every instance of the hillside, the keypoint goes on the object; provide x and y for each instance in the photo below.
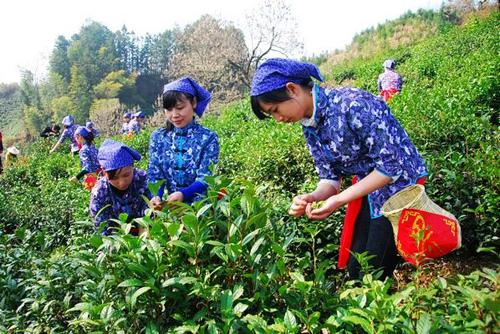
(10, 111)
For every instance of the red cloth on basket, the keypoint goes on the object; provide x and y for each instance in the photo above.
(424, 235)
(348, 228)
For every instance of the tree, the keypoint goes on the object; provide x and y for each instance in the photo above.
(206, 51)
(62, 106)
(106, 115)
(81, 93)
(271, 30)
(59, 62)
(30, 95)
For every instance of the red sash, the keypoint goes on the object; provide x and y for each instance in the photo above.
(387, 94)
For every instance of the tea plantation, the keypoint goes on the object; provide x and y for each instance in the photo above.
(240, 264)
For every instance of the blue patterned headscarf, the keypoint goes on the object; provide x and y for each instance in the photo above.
(139, 114)
(389, 63)
(127, 115)
(189, 86)
(68, 120)
(82, 131)
(114, 155)
(275, 73)
(89, 124)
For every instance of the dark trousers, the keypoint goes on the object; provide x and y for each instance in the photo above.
(376, 237)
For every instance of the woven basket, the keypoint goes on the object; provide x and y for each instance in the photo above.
(413, 197)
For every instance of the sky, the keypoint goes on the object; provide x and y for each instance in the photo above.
(29, 28)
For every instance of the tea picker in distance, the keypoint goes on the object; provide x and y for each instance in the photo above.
(122, 188)
(348, 132)
(390, 82)
(1, 151)
(136, 124)
(126, 121)
(68, 133)
(181, 153)
(90, 126)
(88, 158)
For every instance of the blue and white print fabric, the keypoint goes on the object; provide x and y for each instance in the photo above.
(275, 73)
(88, 158)
(134, 126)
(69, 133)
(355, 133)
(389, 80)
(190, 86)
(182, 156)
(130, 202)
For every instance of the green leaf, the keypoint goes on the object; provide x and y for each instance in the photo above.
(289, 320)
(424, 324)
(239, 309)
(173, 229)
(137, 293)
(226, 303)
(204, 209)
(130, 282)
(256, 246)
(250, 236)
(184, 245)
(364, 323)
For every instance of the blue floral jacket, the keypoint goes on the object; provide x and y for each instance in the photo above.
(131, 202)
(352, 132)
(69, 133)
(182, 156)
(88, 158)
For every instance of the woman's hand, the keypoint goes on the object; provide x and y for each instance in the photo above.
(73, 179)
(175, 197)
(299, 204)
(331, 204)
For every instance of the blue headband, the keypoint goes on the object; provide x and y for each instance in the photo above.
(68, 120)
(82, 131)
(114, 155)
(89, 124)
(189, 86)
(275, 73)
(127, 115)
(139, 114)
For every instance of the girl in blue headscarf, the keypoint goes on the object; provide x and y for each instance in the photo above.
(87, 154)
(349, 132)
(122, 188)
(68, 133)
(181, 153)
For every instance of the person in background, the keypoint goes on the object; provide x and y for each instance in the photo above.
(390, 82)
(349, 132)
(88, 158)
(181, 154)
(68, 133)
(51, 131)
(11, 155)
(122, 188)
(126, 121)
(90, 126)
(1, 152)
(136, 124)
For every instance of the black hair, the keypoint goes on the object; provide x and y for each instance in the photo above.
(89, 138)
(172, 97)
(112, 174)
(56, 127)
(275, 96)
